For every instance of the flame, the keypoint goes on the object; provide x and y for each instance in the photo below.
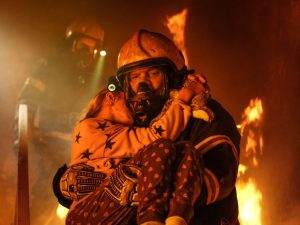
(61, 211)
(249, 129)
(252, 114)
(176, 25)
(242, 170)
(249, 196)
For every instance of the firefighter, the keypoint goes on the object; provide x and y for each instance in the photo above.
(217, 142)
(56, 92)
(106, 142)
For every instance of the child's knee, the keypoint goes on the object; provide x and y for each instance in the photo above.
(163, 142)
(164, 148)
(186, 148)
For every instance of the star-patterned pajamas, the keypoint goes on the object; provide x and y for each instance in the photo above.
(104, 144)
(169, 185)
(170, 180)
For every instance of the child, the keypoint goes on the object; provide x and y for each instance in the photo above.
(167, 175)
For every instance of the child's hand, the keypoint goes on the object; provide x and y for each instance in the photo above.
(201, 90)
(200, 84)
(193, 85)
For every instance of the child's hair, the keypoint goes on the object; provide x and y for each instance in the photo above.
(95, 104)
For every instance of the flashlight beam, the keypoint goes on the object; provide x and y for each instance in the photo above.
(96, 82)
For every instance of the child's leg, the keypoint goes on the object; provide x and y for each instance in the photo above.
(187, 183)
(157, 162)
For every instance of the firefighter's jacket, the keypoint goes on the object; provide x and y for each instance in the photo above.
(218, 143)
(55, 97)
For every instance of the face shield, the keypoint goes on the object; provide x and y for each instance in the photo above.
(86, 53)
(87, 38)
(146, 100)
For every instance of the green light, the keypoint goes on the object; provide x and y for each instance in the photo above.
(112, 87)
(96, 82)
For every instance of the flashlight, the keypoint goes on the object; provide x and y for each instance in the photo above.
(103, 53)
(113, 84)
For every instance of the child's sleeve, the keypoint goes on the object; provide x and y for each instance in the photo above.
(126, 141)
(88, 141)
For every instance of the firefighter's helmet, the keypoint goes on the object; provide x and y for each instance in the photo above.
(86, 39)
(85, 29)
(150, 49)
(147, 48)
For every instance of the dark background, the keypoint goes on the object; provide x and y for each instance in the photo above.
(246, 49)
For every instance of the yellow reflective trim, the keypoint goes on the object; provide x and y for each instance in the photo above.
(216, 140)
(212, 185)
(208, 139)
(209, 190)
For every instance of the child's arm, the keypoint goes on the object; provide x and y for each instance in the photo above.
(94, 139)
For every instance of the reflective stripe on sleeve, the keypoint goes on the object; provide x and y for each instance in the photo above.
(211, 181)
(212, 186)
(212, 141)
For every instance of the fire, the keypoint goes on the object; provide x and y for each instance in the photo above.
(252, 114)
(250, 130)
(61, 211)
(249, 196)
(176, 25)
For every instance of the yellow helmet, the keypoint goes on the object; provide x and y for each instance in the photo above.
(147, 48)
(85, 29)
(85, 39)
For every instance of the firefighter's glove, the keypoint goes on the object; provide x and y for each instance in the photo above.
(122, 185)
(79, 180)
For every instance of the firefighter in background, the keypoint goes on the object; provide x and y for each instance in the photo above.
(218, 141)
(56, 93)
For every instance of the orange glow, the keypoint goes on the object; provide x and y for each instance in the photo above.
(249, 202)
(249, 196)
(252, 114)
(176, 25)
(242, 170)
(61, 211)
(249, 128)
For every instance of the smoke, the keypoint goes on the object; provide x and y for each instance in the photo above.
(16, 56)
(248, 49)
(293, 217)
(20, 47)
